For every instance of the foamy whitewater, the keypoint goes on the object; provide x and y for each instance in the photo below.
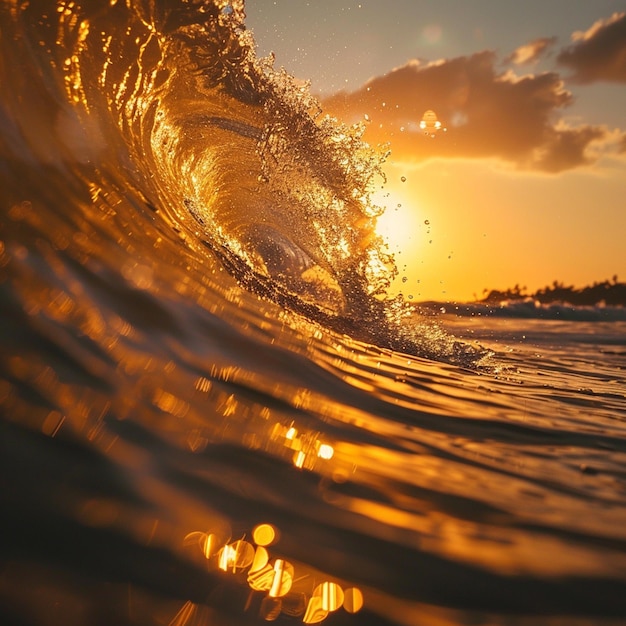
(211, 414)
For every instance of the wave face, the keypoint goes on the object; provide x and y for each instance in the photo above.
(211, 414)
(231, 152)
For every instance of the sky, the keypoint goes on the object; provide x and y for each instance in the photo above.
(524, 183)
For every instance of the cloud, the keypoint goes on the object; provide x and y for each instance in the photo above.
(531, 52)
(566, 148)
(598, 54)
(487, 114)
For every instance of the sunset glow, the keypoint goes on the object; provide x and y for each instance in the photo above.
(509, 132)
(399, 223)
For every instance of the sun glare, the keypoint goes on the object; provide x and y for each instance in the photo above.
(399, 223)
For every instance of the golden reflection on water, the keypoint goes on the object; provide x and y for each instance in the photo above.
(285, 588)
(306, 445)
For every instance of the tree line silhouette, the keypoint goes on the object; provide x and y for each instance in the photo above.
(612, 293)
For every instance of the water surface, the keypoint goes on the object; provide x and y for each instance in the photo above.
(195, 343)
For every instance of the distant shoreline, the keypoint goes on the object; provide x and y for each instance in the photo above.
(608, 293)
(605, 301)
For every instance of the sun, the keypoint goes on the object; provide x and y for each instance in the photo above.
(398, 225)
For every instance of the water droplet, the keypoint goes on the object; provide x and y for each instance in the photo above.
(331, 595)
(238, 555)
(264, 534)
(403, 179)
(353, 600)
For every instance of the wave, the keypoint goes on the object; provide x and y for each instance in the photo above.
(234, 151)
(235, 156)
(171, 105)
(196, 344)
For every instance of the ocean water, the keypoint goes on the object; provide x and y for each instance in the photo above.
(210, 413)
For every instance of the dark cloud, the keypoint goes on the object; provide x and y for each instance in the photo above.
(531, 52)
(487, 114)
(565, 148)
(598, 54)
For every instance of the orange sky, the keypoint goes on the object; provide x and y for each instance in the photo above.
(527, 184)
